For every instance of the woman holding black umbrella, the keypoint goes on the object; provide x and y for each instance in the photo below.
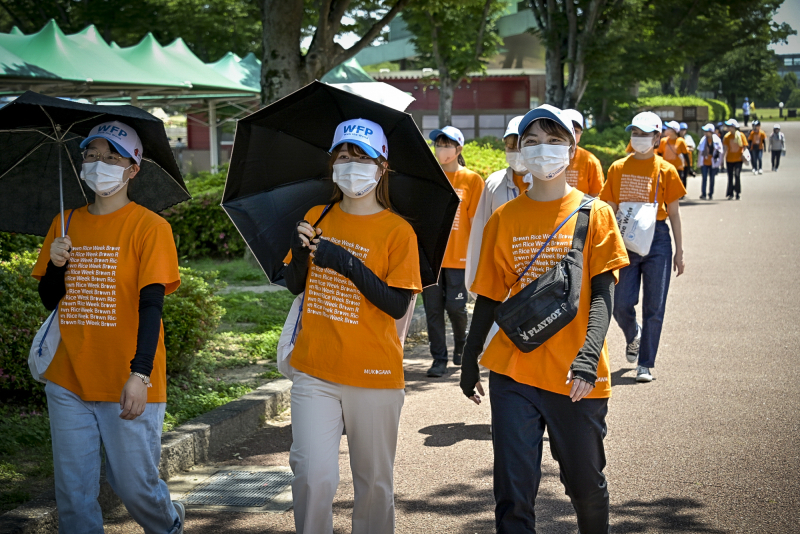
(107, 381)
(359, 267)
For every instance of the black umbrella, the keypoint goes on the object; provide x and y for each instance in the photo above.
(40, 155)
(279, 170)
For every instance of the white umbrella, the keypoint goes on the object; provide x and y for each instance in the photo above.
(380, 92)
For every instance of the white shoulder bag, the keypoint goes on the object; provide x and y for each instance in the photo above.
(45, 343)
(637, 223)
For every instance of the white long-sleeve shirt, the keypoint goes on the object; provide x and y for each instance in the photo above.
(717, 148)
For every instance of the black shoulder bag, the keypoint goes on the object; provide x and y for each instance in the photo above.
(550, 302)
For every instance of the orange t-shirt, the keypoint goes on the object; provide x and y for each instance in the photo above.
(512, 236)
(469, 186)
(757, 141)
(345, 338)
(113, 257)
(519, 181)
(734, 148)
(629, 148)
(634, 180)
(585, 172)
(671, 149)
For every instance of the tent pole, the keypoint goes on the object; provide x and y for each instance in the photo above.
(61, 189)
(212, 135)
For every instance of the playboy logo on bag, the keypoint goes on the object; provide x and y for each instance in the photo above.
(547, 321)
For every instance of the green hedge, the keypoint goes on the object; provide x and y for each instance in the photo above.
(191, 316)
(484, 157)
(717, 110)
(16, 243)
(201, 227)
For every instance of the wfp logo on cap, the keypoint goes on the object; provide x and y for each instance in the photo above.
(110, 129)
(356, 130)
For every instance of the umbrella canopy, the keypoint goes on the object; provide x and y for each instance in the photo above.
(279, 170)
(40, 136)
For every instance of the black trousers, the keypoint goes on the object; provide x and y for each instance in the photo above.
(684, 174)
(520, 414)
(449, 295)
(734, 177)
(776, 159)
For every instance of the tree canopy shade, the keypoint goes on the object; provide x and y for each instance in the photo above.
(456, 35)
(285, 67)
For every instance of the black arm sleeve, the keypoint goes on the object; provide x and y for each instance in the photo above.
(52, 287)
(585, 364)
(482, 320)
(391, 300)
(296, 271)
(151, 304)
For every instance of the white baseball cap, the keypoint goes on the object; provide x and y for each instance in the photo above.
(646, 121)
(776, 127)
(513, 126)
(448, 131)
(709, 127)
(366, 134)
(674, 125)
(122, 137)
(546, 111)
(732, 122)
(575, 116)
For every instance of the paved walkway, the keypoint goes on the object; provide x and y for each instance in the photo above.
(713, 445)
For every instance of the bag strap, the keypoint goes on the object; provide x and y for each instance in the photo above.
(658, 181)
(582, 225)
(323, 214)
(568, 217)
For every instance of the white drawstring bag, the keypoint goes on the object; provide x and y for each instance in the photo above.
(637, 223)
(291, 328)
(45, 343)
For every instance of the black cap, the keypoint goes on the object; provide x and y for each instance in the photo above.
(756, 122)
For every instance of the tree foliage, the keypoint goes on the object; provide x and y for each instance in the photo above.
(456, 36)
(746, 72)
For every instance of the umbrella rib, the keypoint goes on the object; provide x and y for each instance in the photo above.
(168, 174)
(55, 130)
(29, 130)
(23, 158)
(72, 166)
(82, 120)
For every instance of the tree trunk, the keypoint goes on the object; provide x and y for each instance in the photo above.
(554, 76)
(668, 86)
(282, 66)
(446, 91)
(690, 79)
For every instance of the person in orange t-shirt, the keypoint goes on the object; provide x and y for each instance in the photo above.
(564, 385)
(757, 141)
(358, 269)
(734, 144)
(641, 178)
(450, 294)
(107, 383)
(673, 149)
(585, 172)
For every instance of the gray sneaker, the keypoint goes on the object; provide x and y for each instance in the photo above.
(632, 350)
(643, 374)
(181, 515)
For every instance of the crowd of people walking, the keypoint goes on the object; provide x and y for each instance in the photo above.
(550, 247)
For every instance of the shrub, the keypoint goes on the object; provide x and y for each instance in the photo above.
(16, 243)
(794, 99)
(485, 158)
(718, 110)
(200, 225)
(21, 315)
(191, 316)
(606, 155)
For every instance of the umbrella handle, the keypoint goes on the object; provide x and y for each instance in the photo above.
(61, 190)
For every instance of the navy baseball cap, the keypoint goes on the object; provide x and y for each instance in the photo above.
(546, 111)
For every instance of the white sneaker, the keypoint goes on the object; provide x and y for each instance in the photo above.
(643, 374)
(760, 171)
(755, 172)
(181, 515)
(632, 350)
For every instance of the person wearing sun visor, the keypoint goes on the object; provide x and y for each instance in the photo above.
(106, 386)
(359, 268)
(560, 382)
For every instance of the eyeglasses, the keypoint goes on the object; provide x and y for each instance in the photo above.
(90, 155)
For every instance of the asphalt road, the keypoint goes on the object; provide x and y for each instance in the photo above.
(713, 445)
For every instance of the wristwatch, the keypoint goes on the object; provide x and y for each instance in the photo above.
(145, 379)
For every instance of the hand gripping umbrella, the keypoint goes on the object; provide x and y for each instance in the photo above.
(40, 157)
(279, 170)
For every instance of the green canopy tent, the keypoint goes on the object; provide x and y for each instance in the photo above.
(349, 71)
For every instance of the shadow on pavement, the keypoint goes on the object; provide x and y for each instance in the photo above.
(662, 515)
(449, 434)
(618, 380)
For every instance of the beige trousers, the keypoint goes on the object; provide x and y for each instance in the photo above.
(320, 411)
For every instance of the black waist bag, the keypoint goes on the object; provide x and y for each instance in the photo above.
(550, 302)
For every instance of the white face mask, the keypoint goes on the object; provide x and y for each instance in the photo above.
(642, 144)
(514, 160)
(545, 162)
(102, 178)
(355, 179)
(445, 154)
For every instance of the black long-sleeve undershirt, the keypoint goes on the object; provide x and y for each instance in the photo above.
(52, 289)
(585, 364)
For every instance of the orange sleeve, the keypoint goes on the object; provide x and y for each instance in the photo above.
(607, 249)
(316, 210)
(673, 187)
(610, 190)
(490, 274)
(158, 262)
(40, 267)
(403, 270)
(596, 177)
(475, 191)
(661, 146)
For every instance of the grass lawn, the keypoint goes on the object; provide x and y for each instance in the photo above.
(26, 461)
(234, 272)
(767, 114)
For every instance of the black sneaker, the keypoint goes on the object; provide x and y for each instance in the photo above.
(438, 369)
(737, 197)
(457, 359)
(702, 197)
(710, 197)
